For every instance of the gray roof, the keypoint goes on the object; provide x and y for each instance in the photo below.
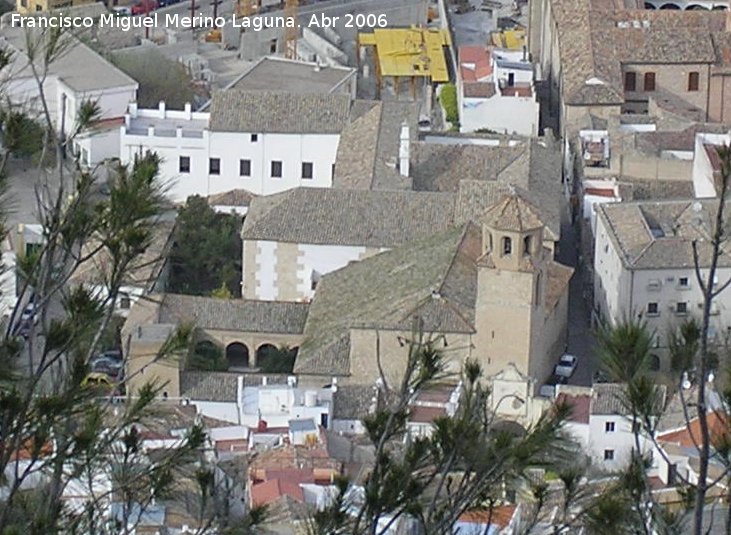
(607, 398)
(234, 110)
(300, 77)
(219, 386)
(234, 314)
(352, 402)
(348, 217)
(79, 67)
(434, 279)
(302, 425)
(660, 235)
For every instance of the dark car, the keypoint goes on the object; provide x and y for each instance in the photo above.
(164, 3)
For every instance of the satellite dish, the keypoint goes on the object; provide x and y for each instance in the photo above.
(697, 207)
(686, 384)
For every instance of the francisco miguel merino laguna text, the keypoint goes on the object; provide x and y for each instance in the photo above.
(151, 21)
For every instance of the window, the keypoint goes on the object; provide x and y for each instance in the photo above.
(693, 81)
(244, 167)
(609, 427)
(630, 81)
(654, 285)
(652, 309)
(681, 308)
(683, 282)
(649, 81)
(124, 301)
(526, 245)
(507, 246)
(273, 46)
(184, 164)
(307, 171)
(608, 455)
(276, 169)
(214, 166)
(254, 138)
(39, 8)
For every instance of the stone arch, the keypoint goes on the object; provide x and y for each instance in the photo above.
(648, 5)
(720, 8)
(694, 7)
(237, 355)
(510, 427)
(205, 347)
(654, 363)
(264, 353)
(670, 6)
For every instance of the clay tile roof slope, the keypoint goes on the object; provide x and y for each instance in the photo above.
(233, 110)
(512, 213)
(478, 59)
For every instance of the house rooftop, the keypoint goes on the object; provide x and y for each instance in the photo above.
(220, 386)
(269, 73)
(660, 234)
(474, 63)
(278, 112)
(347, 217)
(234, 314)
(353, 402)
(78, 66)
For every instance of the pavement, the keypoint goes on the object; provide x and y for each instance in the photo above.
(581, 341)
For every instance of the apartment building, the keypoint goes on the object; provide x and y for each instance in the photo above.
(644, 267)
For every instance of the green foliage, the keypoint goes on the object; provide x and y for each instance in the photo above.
(222, 292)
(159, 78)
(448, 99)
(684, 345)
(22, 136)
(277, 360)
(206, 255)
(206, 357)
(624, 349)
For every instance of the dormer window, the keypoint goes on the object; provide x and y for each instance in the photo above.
(507, 246)
(526, 245)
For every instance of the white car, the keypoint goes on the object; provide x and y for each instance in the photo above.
(566, 366)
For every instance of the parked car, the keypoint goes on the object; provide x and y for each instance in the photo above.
(145, 6)
(548, 390)
(566, 365)
(122, 11)
(164, 3)
(109, 366)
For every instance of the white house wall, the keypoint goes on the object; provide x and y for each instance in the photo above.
(620, 441)
(502, 114)
(612, 284)
(266, 274)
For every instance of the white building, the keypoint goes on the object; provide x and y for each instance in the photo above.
(77, 76)
(263, 142)
(495, 91)
(643, 266)
(602, 425)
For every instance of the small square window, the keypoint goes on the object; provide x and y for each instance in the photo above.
(608, 455)
(254, 138)
(681, 308)
(244, 167)
(649, 81)
(214, 166)
(184, 164)
(276, 169)
(630, 81)
(609, 427)
(307, 170)
(683, 282)
(652, 309)
(124, 301)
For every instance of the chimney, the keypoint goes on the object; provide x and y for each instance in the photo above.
(404, 152)
(133, 110)
(162, 109)
(188, 112)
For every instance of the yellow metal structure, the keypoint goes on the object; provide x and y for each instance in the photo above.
(244, 8)
(409, 52)
(510, 39)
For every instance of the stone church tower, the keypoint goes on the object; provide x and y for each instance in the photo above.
(511, 309)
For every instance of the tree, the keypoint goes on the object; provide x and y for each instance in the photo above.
(206, 255)
(55, 430)
(464, 465)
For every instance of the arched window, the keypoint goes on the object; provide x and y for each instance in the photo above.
(526, 246)
(237, 355)
(654, 363)
(507, 246)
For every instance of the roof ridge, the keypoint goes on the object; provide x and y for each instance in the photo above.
(462, 239)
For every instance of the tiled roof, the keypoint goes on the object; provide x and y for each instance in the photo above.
(357, 151)
(512, 213)
(478, 90)
(474, 63)
(269, 491)
(386, 290)
(234, 314)
(690, 435)
(234, 197)
(219, 386)
(649, 235)
(348, 217)
(595, 40)
(352, 402)
(300, 77)
(233, 110)
(607, 399)
(426, 415)
(580, 406)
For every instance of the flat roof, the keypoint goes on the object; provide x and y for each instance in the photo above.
(410, 51)
(300, 76)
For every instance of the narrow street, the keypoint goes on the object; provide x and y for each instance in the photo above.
(581, 339)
